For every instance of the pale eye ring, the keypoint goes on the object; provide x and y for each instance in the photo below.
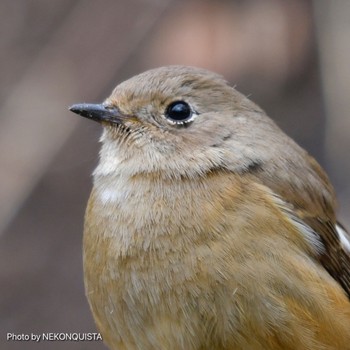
(179, 112)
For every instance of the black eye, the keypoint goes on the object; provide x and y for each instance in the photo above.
(178, 112)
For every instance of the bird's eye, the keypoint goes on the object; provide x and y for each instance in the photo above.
(179, 112)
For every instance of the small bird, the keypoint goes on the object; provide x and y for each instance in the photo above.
(208, 227)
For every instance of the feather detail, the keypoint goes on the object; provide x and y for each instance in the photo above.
(335, 259)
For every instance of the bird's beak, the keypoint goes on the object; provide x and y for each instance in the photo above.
(98, 112)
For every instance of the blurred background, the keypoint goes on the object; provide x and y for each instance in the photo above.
(291, 57)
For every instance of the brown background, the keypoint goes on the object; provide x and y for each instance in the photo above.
(291, 57)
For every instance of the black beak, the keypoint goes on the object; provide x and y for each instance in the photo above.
(97, 112)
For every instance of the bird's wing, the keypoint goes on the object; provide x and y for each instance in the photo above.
(318, 213)
(336, 256)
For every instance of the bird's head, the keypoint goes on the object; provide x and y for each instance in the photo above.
(178, 121)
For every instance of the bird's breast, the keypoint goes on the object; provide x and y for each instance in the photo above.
(147, 252)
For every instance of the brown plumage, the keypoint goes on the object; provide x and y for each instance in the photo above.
(208, 227)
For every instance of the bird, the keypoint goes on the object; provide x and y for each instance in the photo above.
(207, 226)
